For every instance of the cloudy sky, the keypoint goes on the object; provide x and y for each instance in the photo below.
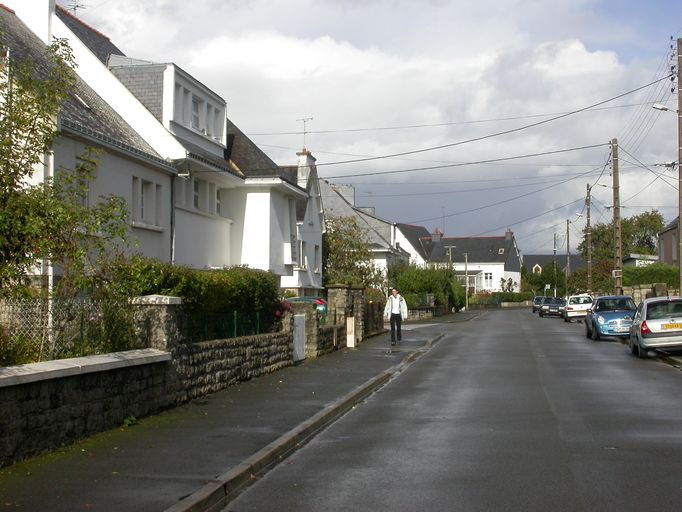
(470, 117)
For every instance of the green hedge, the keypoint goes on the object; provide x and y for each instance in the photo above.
(655, 273)
(205, 292)
(499, 297)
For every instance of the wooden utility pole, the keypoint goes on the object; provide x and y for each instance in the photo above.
(679, 161)
(618, 241)
(588, 241)
(568, 254)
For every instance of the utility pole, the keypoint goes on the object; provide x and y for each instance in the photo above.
(568, 255)
(466, 280)
(618, 263)
(588, 241)
(679, 161)
(554, 264)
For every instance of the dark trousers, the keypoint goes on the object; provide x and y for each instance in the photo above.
(396, 322)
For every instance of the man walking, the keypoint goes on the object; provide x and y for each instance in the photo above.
(396, 311)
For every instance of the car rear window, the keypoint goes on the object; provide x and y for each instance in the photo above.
(664, 309)
(580, 300)
(614, 304)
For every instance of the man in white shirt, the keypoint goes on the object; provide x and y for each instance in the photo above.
(396, 311)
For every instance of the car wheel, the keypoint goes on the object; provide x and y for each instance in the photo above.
(633, 348)
(642, 353)
(541, 315)
(566, 319)
(588, 334)
(595, 333)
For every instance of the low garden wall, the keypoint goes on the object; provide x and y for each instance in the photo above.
(45, 405)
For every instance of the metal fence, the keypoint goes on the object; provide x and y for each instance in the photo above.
(33, 330)
(196, 326)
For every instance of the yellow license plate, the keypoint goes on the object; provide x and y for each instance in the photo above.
(672, 326)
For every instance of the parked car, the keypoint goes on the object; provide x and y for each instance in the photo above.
(577, 306)
(551, 306)
(319, 302)
(657, 324)
(610, 315)
(537, 301)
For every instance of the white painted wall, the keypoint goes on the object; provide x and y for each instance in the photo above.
(201, 241)
(415, 257)
(114, 176)
(255, 251)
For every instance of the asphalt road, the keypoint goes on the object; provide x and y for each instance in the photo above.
(507, 412)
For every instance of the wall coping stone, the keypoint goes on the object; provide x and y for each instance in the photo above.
(34, 372)
(158, 299)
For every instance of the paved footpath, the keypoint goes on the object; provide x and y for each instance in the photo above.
(191, 457)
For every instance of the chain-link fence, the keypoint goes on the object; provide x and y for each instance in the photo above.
(33, 330)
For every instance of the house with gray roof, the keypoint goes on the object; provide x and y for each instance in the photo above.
(383, 236)
(223, 201)
(535, 263)
(485, 264)
(86, 120)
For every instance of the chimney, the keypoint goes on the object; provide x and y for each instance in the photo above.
(36, 14)
(306, 161)
(508, 235)
(436, 236)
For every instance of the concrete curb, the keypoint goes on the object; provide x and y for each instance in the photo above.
(216, 494)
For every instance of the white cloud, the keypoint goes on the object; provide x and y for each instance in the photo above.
(386, 63)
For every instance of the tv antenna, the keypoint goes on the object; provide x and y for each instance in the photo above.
(305, 122)
(74, 5)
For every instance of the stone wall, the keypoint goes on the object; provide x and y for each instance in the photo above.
(210, 366)
(45, 405)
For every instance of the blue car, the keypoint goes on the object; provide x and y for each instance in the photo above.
(610, 315)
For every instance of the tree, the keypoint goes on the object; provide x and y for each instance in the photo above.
(552, 274)
(51, 222)
(30, 98)
(639, 235)
(415, 283)
(346, 254)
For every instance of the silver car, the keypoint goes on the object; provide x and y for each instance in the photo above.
(657, 324)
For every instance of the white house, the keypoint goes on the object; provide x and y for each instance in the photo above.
(484, 263)
(414, 240)
(221, 201)
(306, 278)
(86, 120)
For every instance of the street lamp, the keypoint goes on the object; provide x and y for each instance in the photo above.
(659, 106)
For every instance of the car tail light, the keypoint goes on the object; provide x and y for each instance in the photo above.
(644, 328)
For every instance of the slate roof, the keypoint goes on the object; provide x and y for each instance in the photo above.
(530, 260)
(84, 112)
(418, 236)
(336, 205)
(251, 160)
(671, 225)
(490, 249)
(98, 43)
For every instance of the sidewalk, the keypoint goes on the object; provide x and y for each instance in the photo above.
(189, 457)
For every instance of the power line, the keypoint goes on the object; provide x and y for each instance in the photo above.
(497, 203)
(437, 125)
(496, 134)
(477, 162)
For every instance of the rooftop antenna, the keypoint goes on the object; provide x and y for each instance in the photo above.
(305, 121)
(74, 5)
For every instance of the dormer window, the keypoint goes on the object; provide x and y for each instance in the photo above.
(500, 250)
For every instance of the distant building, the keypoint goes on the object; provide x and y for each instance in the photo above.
(668, 244)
